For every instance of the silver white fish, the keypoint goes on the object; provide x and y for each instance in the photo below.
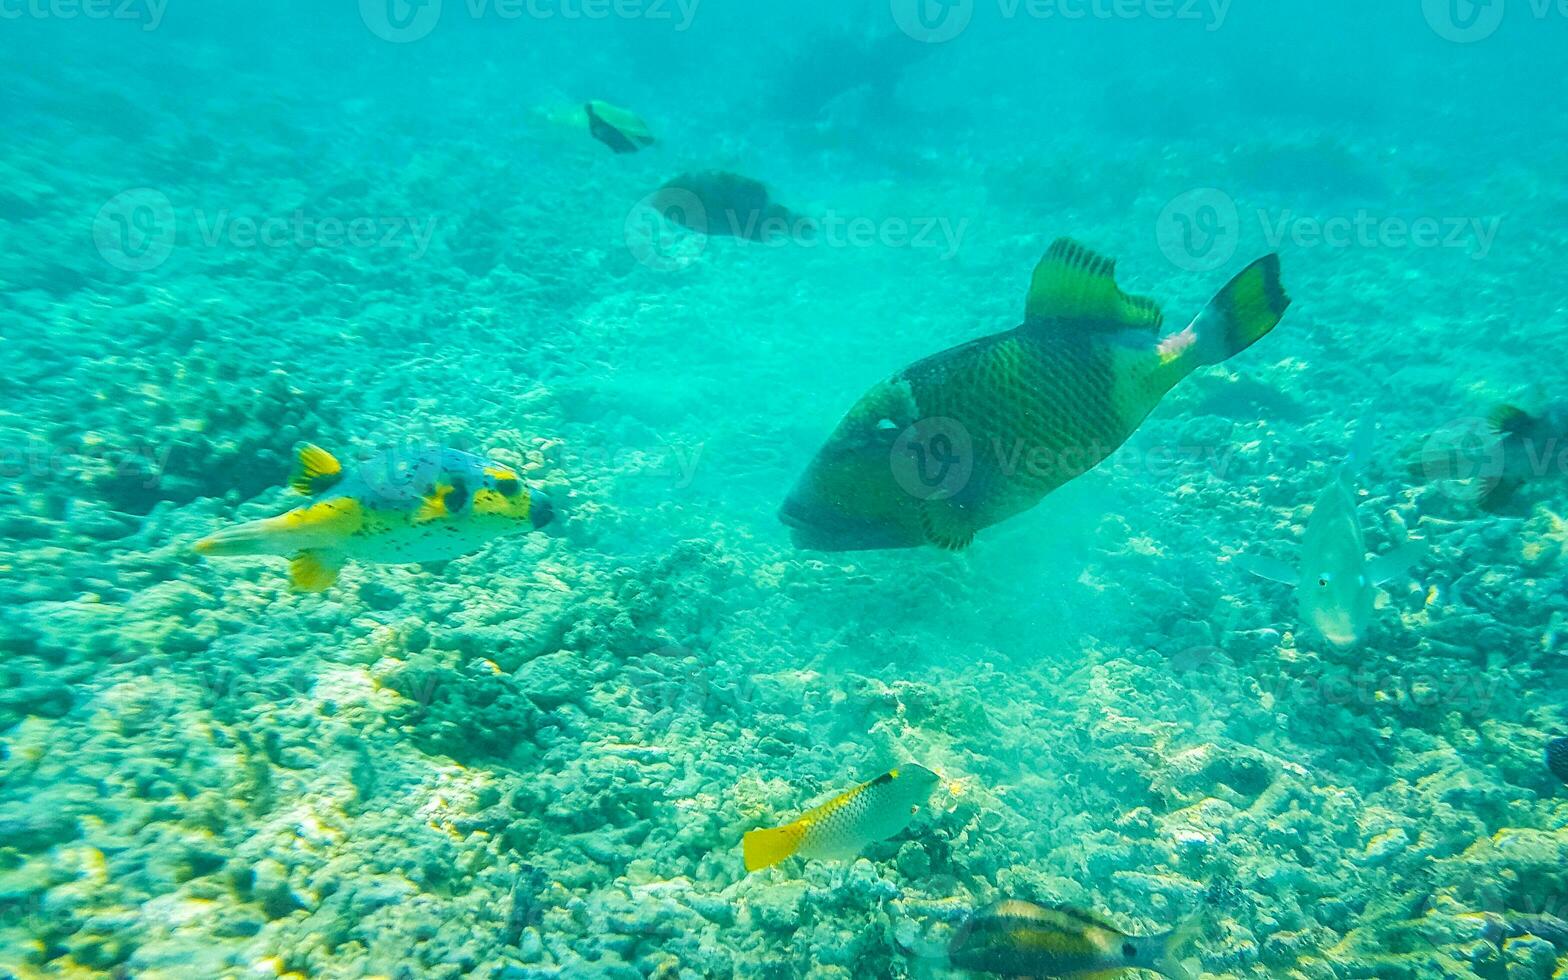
(1336, 585)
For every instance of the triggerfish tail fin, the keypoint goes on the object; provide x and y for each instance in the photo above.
(767, 847)
(1508, 420)
(1250, 306)
(315, 471)
(1074, 284)
(314, 571)
(254, 538)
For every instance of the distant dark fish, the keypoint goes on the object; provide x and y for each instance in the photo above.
(1512, 449)
(1021, 939)
(834, 64)
(617, 128)
(726, 204)
(1557, 758)
(974, 435)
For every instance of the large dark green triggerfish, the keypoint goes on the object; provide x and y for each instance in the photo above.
(974, 435)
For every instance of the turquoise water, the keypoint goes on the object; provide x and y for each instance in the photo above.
(227, 230)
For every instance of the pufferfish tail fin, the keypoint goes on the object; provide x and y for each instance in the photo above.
(771, 845)
(1074, 285)
(1244, 312)
(315, 471)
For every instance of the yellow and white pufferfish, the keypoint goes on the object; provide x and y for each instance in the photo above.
(399, 507)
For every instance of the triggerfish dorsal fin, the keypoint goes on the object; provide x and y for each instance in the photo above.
(314, 571)
(1509, 420)
(1074, 284)
(315, 471)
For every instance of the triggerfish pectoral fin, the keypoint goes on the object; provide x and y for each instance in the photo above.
(314, 571)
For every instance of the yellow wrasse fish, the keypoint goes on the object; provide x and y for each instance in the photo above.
(1017, 938)
(617, 128)
(974, 435)
(1336, 586)
(841, 828)
(402, 506)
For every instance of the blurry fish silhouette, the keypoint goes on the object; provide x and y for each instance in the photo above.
(974, 435)
(836, 63)
(1021, 939)
(726, 204)
(1557, 758)
(841, 828)
(1336, 586)
(403, 506)
(1512, 449)
(617, 128)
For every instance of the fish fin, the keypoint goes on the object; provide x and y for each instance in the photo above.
(943, 529)
(1175, 942)
(770, 845)
(1509, 420)
(314, 571)
(1242, 313)
(315, 470)
(1271, 569)
(432, 507)
(1074, 284)
(1495, 497)
(1397, 563)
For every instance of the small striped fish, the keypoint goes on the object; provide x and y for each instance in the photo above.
(1017, 938)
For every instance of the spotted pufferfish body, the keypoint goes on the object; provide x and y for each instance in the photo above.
(398, 507)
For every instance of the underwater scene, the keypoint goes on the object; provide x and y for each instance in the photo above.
(523, 489)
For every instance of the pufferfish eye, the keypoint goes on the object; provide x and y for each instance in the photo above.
(508, 486)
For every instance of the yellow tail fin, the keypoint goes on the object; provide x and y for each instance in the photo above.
(1244, 312)
(767, 847)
